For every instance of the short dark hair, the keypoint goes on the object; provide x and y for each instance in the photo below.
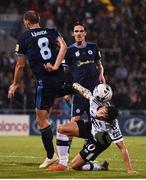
(32, 16)
(112, 113)
(78, 23)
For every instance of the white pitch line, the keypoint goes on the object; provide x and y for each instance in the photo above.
(13, 156)
(39, 157)
(109, 159)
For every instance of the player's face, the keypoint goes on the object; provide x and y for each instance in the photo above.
(102, 113)
(79, 34)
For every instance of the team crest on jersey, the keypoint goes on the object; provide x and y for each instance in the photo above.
(17, 48)
(77, 110)
(77, 53)
(90, 52)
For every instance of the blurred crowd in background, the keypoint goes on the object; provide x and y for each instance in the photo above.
(118, 27)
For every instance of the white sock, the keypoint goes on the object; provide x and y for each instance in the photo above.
(86, 167)
(62, 148)
(97, 167)
(91, 167)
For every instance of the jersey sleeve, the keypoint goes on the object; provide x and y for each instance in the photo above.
(20, 48)
(115, 132)
(55, 34)
(97, 54)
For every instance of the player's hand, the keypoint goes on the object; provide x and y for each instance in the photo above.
(54, 68)
(12, 90)
(49, 67)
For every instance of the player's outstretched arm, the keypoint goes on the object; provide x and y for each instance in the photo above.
(126, 157)
(101, 73)
(17, 76)
(82, 91)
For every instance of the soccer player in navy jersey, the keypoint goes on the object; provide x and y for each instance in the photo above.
(40, 46)
(84, 60)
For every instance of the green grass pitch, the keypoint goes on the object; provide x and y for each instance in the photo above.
(21, 156)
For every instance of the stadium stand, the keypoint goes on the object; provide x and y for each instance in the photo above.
(118, 27)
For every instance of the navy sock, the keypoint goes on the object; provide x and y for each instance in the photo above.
(70, 143)
(47, 138)
(62, 143)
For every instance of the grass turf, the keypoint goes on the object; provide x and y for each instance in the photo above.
(20, 158)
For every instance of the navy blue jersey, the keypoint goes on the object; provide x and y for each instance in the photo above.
(82, 61)
(39, 45)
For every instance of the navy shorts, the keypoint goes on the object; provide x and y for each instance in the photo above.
(46, 92)
(80, 105)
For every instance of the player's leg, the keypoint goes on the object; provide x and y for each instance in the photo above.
(44, 100)
(90, 151)
(65, 130)
(62, 149)
(47, 136)
(64, 143)
(79, 164)
(80, 106)
(69, 129)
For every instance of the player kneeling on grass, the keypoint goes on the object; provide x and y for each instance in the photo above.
(100, 131)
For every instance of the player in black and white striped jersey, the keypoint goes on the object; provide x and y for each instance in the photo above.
(100, 132)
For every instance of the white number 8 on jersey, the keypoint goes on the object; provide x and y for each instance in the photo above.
(44, 49)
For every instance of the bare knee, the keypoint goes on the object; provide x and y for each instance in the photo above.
(61, 129)
(69, 129)
(74, 165)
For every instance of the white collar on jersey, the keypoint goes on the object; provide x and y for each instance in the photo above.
(80, 46)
